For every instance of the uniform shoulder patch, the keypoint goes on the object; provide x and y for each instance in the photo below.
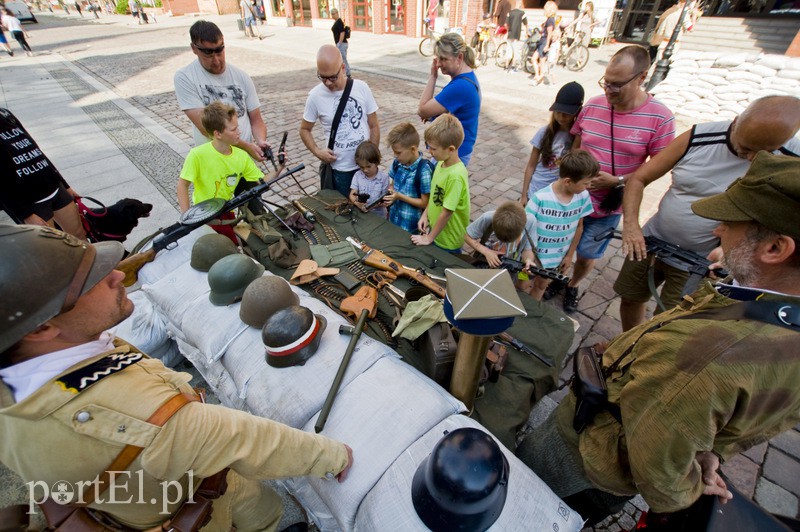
(82, 378)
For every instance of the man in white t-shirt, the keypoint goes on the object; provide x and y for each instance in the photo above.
(359, 121)
(209, 79)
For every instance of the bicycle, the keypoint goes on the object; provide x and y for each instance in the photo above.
(573, 54)
(486, 46)
(427, 45)
(504, 57)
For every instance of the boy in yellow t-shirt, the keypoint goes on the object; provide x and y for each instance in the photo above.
(216, 167)
(445, 219)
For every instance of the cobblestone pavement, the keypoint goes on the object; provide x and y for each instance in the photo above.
(137, 63)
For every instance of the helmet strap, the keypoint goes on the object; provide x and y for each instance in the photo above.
(79, 278)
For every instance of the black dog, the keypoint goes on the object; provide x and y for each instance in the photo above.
(114, 222)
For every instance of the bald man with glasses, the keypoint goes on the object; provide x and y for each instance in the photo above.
(210, 79)
(359, 120)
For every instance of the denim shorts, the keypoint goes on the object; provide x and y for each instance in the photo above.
(588, 248)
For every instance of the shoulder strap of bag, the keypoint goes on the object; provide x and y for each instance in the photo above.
(126, 457)
(339, 112)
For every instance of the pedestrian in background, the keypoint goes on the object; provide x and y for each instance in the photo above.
(12, 24)
(4, 41)
(340, 36)
(78, 8)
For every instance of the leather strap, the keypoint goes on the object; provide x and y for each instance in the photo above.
(126, 457)
(337, 118)
(79, 279)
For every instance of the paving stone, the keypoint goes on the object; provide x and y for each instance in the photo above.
(638, 501)
(602, 287)
(783, 470)
(627, 521)
(756, 454)
(607, 327)
(775, 499)
(743, 473)
(788, 442)
(592, 305)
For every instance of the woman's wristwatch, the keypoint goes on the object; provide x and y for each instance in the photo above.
(620, 181)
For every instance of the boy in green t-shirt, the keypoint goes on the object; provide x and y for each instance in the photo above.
(216, 167)
(445, 219)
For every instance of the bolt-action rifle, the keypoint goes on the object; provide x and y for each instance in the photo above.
(380, 261)
(197, 215)
(509, 340)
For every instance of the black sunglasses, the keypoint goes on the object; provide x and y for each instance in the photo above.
(210, 51)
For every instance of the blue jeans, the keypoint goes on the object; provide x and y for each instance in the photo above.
(342, 181)
(342, 46)
(588, 247)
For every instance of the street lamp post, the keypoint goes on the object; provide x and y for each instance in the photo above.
(662, 66)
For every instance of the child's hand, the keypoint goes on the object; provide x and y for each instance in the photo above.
(565, 265)
(422, 224)
(492, 257)
(390, 198)
(422, 240)
(524, 199)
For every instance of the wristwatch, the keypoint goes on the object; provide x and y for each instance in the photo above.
(620, 181)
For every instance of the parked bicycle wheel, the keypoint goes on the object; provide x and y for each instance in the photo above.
(426, 46)
(485, 51)
(577, 57)
(504, 55)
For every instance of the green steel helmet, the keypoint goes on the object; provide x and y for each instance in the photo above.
(462, 484)
(292, 336)
(263, 298)
(229, 277)
(43, 272)
(208, 249)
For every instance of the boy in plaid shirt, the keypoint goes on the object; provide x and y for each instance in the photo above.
(411, 175)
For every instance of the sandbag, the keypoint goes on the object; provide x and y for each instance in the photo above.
(147, 330)
(733, 96)
(713, 79)
(738, 86)
(776, 62)
(172, 294)
(789, 74)
(739, 75)
(379, 414)
(730, 60)
(722, 72)
(388, 506)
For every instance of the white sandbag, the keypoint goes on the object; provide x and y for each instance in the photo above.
(293, 395)
(789, 74)
(703, 92)
(733, 96)
(704, 106)
(379, 414)
(706, 117)
(215, 375)
(736, 86)
(792, 63)
(690, 97)
(778, 82)
(683, 63)
(172, 294)
(170, 259)
(726, 115)
(759, 70)
(732, 107)
(211, 328)
(713, 79)
(705, 63)
(776, 62)
(721, 72)
(709, 55)
(740, 75)
(530, 503)
(730, 60)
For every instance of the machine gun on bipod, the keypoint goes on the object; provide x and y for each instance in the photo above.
(197, 215)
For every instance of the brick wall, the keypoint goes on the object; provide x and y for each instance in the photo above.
(228, 7)
(794, 48)
(181, 7)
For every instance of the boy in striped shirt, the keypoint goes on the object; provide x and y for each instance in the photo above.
(559, 209)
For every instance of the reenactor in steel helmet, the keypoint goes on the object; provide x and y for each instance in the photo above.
(230, 276)
(263, 298)
(208, 249)
(292, 336)
(462, 484)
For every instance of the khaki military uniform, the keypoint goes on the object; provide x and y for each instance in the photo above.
(692, 385)
(74, 426)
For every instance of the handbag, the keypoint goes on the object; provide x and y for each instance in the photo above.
(325, 169)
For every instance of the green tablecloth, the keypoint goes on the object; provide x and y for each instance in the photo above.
(505, 405)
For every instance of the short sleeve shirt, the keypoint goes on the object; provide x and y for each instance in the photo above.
(547, 171)
(450, 190)
(195, 88)
(376, 187)
(215, 175)
(556, 223)
(512, 249)
(321, 105)
(462, 98)
(404, 178)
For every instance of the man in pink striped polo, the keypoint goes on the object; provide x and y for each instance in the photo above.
(621, 129)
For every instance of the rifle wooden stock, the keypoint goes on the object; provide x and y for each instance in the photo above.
(133, 263)
(378, 260)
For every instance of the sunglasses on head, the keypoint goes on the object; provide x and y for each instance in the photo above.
(210, 51)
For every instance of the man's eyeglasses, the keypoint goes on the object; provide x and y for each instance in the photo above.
(331, 79)
(615, 87)
(210, 51)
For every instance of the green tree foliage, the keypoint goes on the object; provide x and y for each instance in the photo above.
(122, 7)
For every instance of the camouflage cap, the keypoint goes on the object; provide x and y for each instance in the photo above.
(769, 193)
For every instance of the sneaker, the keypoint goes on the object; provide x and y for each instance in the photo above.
(571, 299)
(552, 290)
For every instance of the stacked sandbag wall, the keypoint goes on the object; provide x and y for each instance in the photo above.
(711, 86)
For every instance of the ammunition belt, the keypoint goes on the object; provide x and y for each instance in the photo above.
(310, 236)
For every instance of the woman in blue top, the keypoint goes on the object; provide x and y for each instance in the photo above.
(461, 97)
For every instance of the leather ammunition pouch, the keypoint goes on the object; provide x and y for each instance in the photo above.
(438, 348)
(589, 387)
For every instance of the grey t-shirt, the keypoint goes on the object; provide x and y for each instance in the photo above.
(477, 228)
(195, 88)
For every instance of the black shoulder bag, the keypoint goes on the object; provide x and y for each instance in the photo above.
(589, 381)
(325, 169)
